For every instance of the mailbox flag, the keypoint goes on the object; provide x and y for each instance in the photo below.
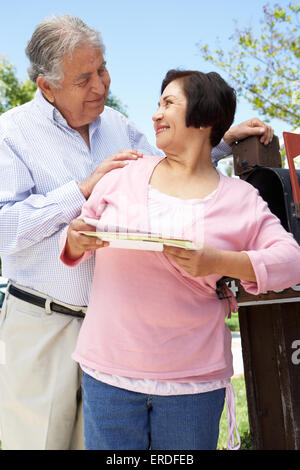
(292, 148)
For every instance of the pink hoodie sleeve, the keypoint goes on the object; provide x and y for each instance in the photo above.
(92, 208)
(274, 253)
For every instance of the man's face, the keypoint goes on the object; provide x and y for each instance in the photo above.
(84, 88)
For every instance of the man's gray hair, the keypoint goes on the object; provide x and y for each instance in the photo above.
(52, 39)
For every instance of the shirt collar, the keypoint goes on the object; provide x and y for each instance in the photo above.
(54, 114)
(44, 105)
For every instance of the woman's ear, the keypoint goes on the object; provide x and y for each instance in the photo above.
(205, 129)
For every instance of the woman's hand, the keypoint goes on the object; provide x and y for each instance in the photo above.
(196, 263)
(77, 243)
(209, 260)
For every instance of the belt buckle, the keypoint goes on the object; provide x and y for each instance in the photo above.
(48, 306)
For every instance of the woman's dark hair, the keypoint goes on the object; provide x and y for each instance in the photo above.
(210, 100)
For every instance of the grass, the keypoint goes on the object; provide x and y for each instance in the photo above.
(241, 402)
(233, 322)
(241, 417)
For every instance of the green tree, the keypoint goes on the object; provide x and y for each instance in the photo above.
(12, 91)
(115, 103)
(264, 67)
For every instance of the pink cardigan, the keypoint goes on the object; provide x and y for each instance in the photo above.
(147, 318)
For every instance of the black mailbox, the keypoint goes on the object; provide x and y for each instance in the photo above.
(274, 186)
(270, 322)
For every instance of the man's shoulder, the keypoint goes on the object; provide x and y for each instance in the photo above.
(11, 119)
(20, 110)
(111, 113)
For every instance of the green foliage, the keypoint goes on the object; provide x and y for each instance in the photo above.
(115, 103)
(264, 68)
(233, 322)
(12, 91)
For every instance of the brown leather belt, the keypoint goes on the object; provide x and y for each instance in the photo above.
(41, 302)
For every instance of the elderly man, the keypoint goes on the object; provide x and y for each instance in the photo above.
(53, 151)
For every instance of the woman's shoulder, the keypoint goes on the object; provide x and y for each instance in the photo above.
(140, 164)
(238, 185)
(134, 169)
(145, 161)
(141, 167)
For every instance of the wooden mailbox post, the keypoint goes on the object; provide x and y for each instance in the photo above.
(270, 338)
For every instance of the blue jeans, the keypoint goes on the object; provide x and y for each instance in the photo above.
(118, 419)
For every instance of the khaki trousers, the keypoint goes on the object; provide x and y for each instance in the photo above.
(40, 400)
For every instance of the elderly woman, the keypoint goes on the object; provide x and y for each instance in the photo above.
(154, 347)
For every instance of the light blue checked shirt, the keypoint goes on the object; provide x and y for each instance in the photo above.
(42, 160)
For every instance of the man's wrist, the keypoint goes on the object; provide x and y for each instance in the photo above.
(228, 138)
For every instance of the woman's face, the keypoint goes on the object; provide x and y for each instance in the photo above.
(169, 120)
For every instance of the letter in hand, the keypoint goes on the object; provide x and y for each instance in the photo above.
(77, 243)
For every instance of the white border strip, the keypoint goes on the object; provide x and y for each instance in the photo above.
(273, 301)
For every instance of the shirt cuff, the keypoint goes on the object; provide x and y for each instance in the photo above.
(222, 150)
(63, 257)
(70, 200)
(261, 274)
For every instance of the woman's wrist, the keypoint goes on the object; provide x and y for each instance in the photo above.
(72, 253)
(234, 264)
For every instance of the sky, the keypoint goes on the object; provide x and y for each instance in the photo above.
(143, 40)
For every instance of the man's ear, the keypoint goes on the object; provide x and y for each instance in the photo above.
(45, 88)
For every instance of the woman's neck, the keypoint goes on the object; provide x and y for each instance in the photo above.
(192, 161)
(187, 175)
